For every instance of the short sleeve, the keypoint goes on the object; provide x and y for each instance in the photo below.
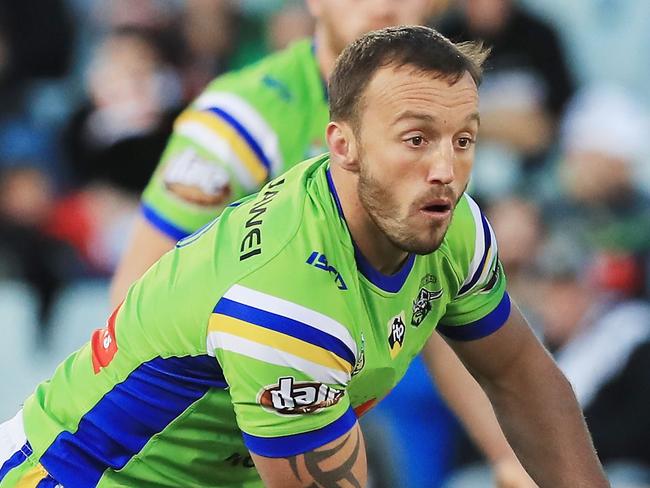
(481, 305)
(221, 149)
(287, 369)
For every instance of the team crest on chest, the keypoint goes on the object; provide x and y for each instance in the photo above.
(422, 304)
(396, 332)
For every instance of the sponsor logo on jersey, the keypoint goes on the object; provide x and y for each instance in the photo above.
(361, 357)
(196, 180)
(396, 332)
(289, 397)
(103, 344)
(251, 244)
(278, 86)
(319, 261)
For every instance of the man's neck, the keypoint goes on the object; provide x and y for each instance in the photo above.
(325, 55)
(378, 250)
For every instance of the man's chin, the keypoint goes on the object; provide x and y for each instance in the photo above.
(422, 247)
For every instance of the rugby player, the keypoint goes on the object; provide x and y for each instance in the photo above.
(250, 126)
(273, 328)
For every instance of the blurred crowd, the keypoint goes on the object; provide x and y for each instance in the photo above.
(89, 90)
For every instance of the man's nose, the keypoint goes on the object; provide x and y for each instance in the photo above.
(441, 165)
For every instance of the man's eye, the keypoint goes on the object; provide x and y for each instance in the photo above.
(416, 140)
(464, 142)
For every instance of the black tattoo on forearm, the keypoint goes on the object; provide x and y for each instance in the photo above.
(329, 478)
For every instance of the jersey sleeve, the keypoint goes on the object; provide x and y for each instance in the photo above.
(287, 367)
(481, 305)
(221, 149)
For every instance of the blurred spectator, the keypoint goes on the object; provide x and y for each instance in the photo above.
(603, 39)
(289, 24)
(35, 42)
(603, 144)
(94, 221)
(601, 342)
(211, 31)
(525, 87)
(121, 131)
(26, 252)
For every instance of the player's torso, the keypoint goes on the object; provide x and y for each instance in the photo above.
(395, 320)
(143, 403)
(389, 318)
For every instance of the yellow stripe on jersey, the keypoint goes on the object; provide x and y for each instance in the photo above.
(32, 477)
(240, 147)
(277, 340)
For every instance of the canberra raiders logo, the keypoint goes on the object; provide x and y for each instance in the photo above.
(422, 304)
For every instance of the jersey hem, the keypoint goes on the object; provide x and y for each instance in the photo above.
(482, 327)
(162, 224)
(292, 445)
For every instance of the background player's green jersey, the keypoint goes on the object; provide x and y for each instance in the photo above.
(245, 128)
(266, 331)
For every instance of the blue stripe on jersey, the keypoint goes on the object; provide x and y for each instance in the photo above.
(487, 239)
(126, 418)
(16, 459)
(162, 224)
(482, 327)
(390, 283)
(241, 130)
(292, 445)
(286, 326)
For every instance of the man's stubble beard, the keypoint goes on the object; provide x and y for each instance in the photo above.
(383, 211)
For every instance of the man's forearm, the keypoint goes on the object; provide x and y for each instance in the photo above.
(542, 420)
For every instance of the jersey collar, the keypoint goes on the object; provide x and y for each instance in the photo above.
(389, 283)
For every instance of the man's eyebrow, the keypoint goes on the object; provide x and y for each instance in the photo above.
(474, 116)
(410, 114)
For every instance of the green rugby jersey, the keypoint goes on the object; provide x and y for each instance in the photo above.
(245, 128)
(264, 331)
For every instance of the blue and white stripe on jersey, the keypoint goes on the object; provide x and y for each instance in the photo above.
(283, 333)
(235, 132)
(485, 252)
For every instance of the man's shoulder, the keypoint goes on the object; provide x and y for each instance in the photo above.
(286, 79)
(267, 226)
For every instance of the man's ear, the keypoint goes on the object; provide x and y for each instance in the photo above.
(342, 145)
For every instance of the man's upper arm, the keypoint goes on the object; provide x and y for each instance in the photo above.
(490, 357)
(287, 368)
(341, 460)
(481, 304)
(221, 150)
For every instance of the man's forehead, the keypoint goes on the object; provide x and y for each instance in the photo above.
(402, 87)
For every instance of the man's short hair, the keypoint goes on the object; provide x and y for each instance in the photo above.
(421, 47)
